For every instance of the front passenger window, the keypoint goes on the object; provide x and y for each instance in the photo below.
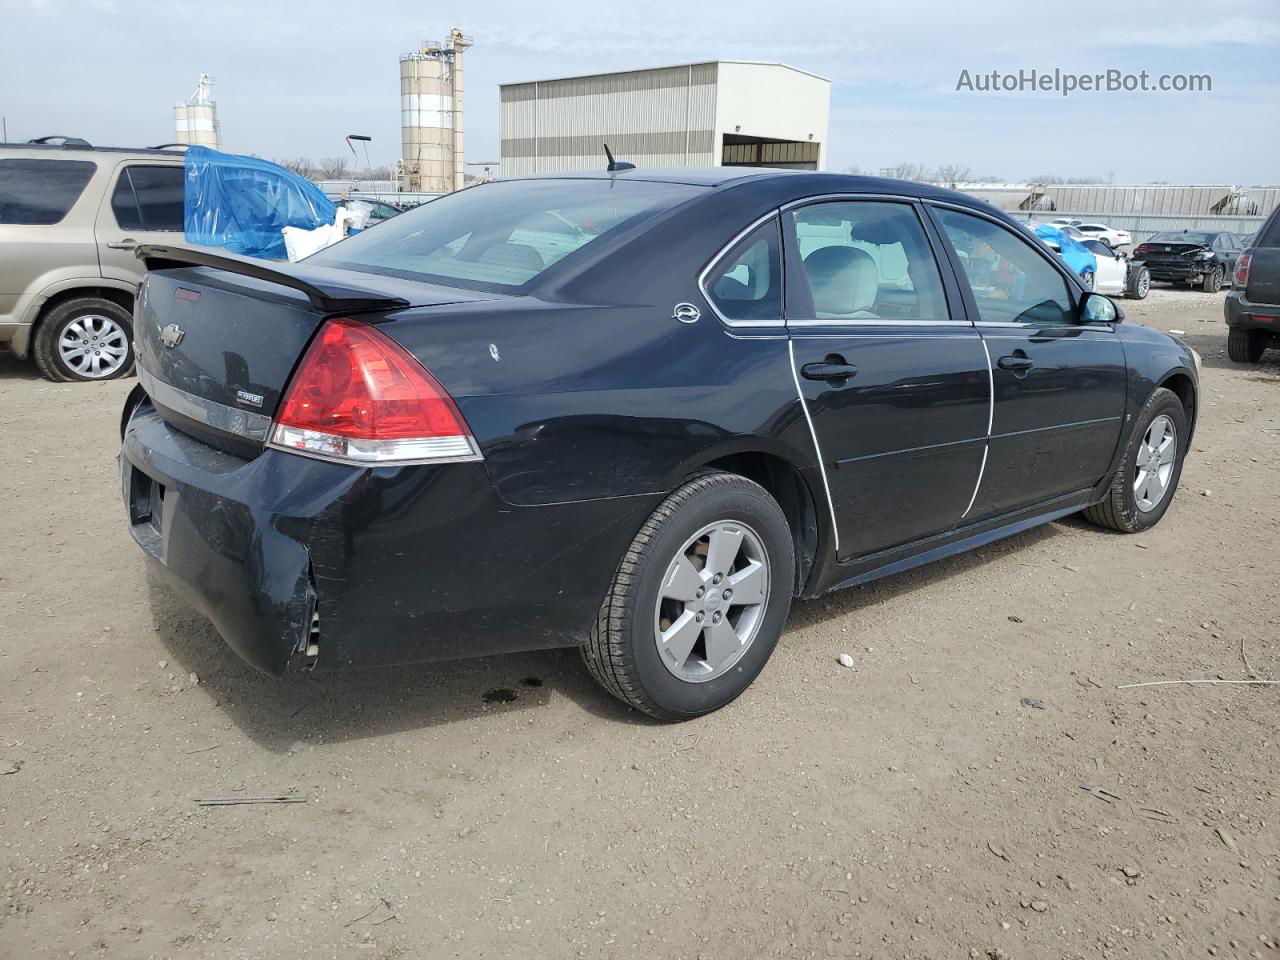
(1010, 280)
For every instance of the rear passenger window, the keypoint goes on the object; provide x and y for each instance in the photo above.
(868, 261)
(149, 198)
(746, 283)
(41, 191)
(1010, 280)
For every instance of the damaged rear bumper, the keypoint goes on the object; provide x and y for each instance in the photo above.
(208, 520)
(401, 565)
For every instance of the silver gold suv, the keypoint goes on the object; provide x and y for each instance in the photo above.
(70, 216)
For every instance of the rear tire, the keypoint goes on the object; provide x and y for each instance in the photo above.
(1137, 284)
(1122, 508)
(87, 338)
(639, 651)
(1246, 346)
(1213, 281)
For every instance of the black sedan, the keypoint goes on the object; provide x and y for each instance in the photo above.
(1195, 257)
(635, 412)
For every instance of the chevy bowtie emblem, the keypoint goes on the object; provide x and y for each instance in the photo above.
(171, 335)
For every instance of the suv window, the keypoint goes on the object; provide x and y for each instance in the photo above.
(149, 198)
(1011, 281)
(868, 260)
(746, 283)
(41, 192)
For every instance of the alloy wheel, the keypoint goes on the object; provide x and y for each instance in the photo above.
(93, 346)
(1154, 463)
(712, 601)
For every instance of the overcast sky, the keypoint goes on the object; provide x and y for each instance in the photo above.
(295, 78)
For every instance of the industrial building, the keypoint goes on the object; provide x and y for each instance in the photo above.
(431, 159)
(721, 112)
(196, 121)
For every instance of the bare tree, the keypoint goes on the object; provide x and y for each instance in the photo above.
(1051, 179)
(299, 165)
(333, 168)
(906, 171)
(949, 174)
(383, 172)
(854, 169)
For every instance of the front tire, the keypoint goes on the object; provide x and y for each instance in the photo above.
(698, 602)
(1143, 486)
(87, 338)
(1213, 281)
(1246, 346)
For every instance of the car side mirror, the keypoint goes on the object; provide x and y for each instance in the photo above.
(1095, 308)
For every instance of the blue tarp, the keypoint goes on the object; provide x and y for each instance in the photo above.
(1076, 255)
(241, 203)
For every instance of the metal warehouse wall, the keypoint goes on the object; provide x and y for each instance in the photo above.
(648, 117)
(1108, 200)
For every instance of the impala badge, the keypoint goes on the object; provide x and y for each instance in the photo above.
(171, 335)
(253, 399)
(686, 313)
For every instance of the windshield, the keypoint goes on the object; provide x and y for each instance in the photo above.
(501, 236)
(1200, 239)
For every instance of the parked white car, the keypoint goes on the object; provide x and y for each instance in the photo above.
(1112, 236)
(1061, 222)
(1117, 274)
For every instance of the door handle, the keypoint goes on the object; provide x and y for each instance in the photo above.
(122, 244)
(829, 370)
(1015, 363)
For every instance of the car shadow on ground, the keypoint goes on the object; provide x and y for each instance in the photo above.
(1212, 348)
(11, 368)
(314, 707)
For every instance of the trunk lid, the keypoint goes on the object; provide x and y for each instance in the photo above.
(1170, 251)
(216, 346)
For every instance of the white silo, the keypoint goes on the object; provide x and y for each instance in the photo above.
(196, 121)
(431, 116)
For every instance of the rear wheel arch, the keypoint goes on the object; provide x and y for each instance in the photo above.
(121, 298)
(785, 483)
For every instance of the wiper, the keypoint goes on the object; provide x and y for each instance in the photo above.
(326, 296)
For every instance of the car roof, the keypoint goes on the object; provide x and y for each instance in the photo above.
(72, 150)
(807, 181)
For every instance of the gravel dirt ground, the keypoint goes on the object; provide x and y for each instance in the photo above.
(912, 806)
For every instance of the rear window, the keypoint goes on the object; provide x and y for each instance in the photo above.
(501, 236)
(40, 192)
(1270, 236)
(1200, 239)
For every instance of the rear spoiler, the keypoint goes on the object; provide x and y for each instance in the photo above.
(325, 295)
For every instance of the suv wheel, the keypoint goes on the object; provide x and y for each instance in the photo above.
(1148, 475)
(1246, 346)
(1087, 278)
(698, 602)
(84, 339)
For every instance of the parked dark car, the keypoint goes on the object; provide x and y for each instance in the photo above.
(1195, 257)
(1253, 305)
(636, 412)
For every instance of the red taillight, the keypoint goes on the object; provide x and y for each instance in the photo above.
(1240, 278)
(360, 397)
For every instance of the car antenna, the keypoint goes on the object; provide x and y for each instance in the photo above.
(616, 165)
